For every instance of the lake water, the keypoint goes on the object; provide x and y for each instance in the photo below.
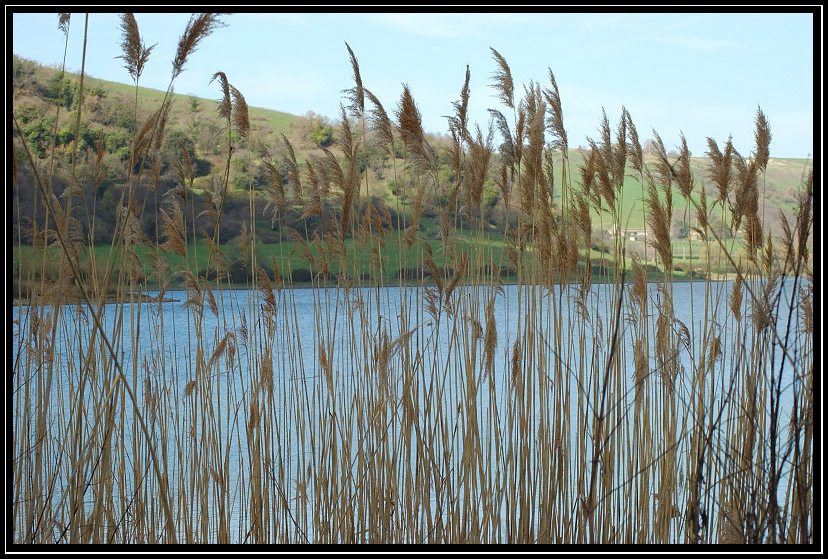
(370, 371)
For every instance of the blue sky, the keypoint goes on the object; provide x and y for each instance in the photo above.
(703, 74)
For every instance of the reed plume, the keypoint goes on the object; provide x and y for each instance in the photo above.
(184, 169)
(508, 149)
(315, 192)
(664, 172)
(762, 135)
(225, 105)
(63, 22)
(745, 207)
(490, 336)
(503, 80)
(736, 298)
(275, 188)
(516, 369)
(619, 153)
(659, 222)
(684, 178)
(198, 27)
(293, 175)
(356, 94)
(480, 152)
(635, 150)
(721, 167)
(805, 218)
(534, 109)
(350, 176)
(555, 120)
(458, 123)
(241, 119)
(381, 123)
(604, 165)
(136, 53)
(143, 139)
(173, 231)
(411, 131)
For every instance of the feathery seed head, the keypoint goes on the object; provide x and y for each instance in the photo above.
(199, 27)
(684, 177)
(63, 22)
(619, 160)
(380, 123)
(503, 81)
(721, 170)
(225, 106)
(410, 121)
(459, 122)
(555, 120)
(636, 153)
(507, 148)
(736, 298)
(136, 53)
(241, 121)
(763, 138)
(356, 93)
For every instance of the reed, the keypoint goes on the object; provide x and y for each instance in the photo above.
(580, 404)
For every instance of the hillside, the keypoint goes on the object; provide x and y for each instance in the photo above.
(113, 114)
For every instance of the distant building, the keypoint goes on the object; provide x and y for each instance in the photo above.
(630, 234)
(637, 234)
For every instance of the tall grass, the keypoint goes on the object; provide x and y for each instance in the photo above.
(451, 408)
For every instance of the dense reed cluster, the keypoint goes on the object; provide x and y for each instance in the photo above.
(570, 404)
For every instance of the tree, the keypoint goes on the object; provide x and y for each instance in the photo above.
(38, 134)
(490, 195)
(171, 148)
(194, 104)
(721, 228)
(322, 133)
(681, 229)
(60, 89)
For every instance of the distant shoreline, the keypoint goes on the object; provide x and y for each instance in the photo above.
(145, 298)
(110, 299)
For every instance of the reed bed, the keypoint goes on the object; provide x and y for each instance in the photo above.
(452, 407)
